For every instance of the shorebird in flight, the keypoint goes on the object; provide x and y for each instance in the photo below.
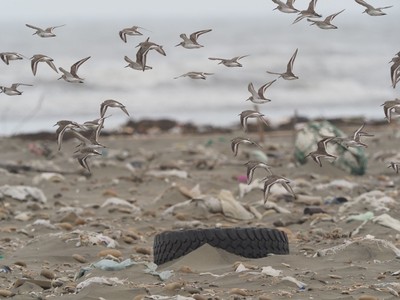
(195, 75)
(235, 142)
(252, 165)
(37, 58)
(308, 13)
(288, 75)
(259, 97)
(229, 62)
(83, 154)
(12, 90)
(247, 114)
(136, 65)
(395, 70)
(325, 24)
(321, 151)
(131, 31)
(111, 103)
(391, 106)
(285, 7)
(141, 54)
(395, 166)
(44, 33)
(63, 126)
(372, 11)
(354, 141)
(270, 180)
(191, 42)
(8, 56)
(72, 75)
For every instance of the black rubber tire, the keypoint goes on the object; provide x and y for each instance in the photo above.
(251, 242)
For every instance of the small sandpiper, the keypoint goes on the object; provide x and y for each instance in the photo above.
(247, 114)
(285, 7)
(373, 11)
(111, 103)
(288, 75)
(395, 166)
(44, 33)
(83, 154)
(135, 64)
(235, 142)
(252, 165)
(389, 107)
(229, 62)
(325, 24)
(12, 90)
(37, 58)
(72, 75)
(321, 151)
(195, 75)
(191, 42)
(141, 55)
(63, 126)
(270, 180)
(131, 31)
(308, 13)
(8, 56)
(259, 97)
(395, 70)
(354, 141)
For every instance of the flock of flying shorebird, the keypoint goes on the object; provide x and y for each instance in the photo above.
(88, 132)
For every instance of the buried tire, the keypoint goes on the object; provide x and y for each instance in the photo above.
(248, 242)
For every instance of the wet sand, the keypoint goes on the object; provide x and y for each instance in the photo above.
(46, 239)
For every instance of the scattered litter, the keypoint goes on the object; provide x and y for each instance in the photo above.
(271, 271)
(369, 215)
(233, 208)
(22, 193)
(111, 265)
(168, 173)
(151, 269)
(387, 221)
(99, 280)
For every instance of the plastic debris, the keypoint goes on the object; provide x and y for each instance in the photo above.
(111, 265)
(151, 269)
(99, 280)
(5, 269)
(22, 193)
(361, 217)
(122, 202)
(352, 160)
(233, 208)
(167, 173)
(387, 221)
(270, 271)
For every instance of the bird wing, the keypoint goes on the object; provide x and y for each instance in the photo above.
(128, 60)
(291, 62)
(215, 58)
(329, 18)
(194, 36)
(122, 35)
(51, 64)
(54, 27)
(251, 89)
(363, 3)
(33, 27)
(262, 89)
(75, 66)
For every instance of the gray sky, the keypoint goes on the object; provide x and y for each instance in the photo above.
(51, 9)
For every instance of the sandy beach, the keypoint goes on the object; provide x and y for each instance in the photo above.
(56, 229)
